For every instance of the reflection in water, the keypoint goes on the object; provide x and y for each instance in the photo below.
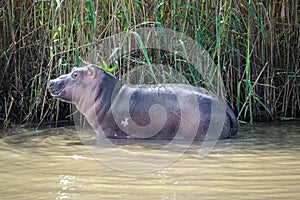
(260, 163)
(67, 182)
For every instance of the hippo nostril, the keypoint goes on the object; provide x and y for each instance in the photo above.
(60, 83)
(50, 83)
(53, 83)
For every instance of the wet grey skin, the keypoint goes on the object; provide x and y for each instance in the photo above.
(162, 111)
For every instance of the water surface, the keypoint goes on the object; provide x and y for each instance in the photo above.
(260, 163)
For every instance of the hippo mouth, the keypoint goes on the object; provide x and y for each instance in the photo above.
(55, 89)
(56, 93)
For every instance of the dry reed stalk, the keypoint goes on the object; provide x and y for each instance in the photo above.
(256, 46)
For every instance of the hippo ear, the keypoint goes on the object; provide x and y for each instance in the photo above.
(91, 71)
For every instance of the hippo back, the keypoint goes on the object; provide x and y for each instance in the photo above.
(178, 104)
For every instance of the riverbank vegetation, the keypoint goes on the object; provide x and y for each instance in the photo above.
(255, 45)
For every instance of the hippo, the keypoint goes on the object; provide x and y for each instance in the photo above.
(146, 111)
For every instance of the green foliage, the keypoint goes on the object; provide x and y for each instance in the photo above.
(255, 46)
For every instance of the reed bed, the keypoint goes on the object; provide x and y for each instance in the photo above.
(254, 44)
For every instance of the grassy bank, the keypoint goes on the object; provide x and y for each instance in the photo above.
(256, 46)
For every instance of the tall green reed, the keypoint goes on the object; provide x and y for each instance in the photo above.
(255, 46)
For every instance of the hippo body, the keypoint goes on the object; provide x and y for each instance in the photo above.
(162, 111)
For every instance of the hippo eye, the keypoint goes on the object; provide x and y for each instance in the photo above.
(74, 75)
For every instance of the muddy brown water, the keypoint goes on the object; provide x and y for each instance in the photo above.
(259, 163)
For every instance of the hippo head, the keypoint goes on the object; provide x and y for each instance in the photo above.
(73, 86)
